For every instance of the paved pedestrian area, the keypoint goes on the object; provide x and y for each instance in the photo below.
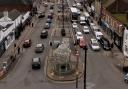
(71, 76)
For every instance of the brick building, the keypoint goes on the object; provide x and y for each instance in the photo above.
(112, 25)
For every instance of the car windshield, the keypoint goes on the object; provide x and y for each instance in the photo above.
(79, 34)
(95, 44)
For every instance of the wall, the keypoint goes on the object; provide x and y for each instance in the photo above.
(22, 8)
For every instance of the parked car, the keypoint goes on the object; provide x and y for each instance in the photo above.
(27, 43)
(86, 29)
(94, 44)
(36, 63)
(41, 15)
(47, 25)
(44, 34)
(105, 43)
(39, 48)
(126, 78)
(82, 43)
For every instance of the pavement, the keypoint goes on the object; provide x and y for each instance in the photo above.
(14, 51)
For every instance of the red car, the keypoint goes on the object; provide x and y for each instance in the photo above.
(27, 43)
(82, 43)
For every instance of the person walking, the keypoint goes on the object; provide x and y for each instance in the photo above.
(18, 50)
(32, 24)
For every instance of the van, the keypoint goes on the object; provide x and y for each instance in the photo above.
(98, 34)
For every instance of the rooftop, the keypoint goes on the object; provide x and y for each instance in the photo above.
(12, 14)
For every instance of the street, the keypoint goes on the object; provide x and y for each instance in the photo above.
(102, 71)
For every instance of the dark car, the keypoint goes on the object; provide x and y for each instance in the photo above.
(44, 34)
(63, 32)
(47, 26)
(105, 43)
(52, 7)
(41, 15)
(50, 16)
(36, 63)
(49, 20)
(27, 43)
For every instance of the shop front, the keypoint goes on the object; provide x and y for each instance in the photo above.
(118, 40)
(2, 47)
(107, 29)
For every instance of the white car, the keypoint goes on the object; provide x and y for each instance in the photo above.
(86, 29)
(94, 44)
(79, 35)
(74, 25)
(98, 34)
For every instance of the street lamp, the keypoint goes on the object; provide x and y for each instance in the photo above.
(85, 64)
(101, 8)
(77, 55)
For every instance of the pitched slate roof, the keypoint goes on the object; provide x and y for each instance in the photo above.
(12, 2)
(12, 14)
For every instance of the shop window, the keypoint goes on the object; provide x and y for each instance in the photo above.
(126, 48)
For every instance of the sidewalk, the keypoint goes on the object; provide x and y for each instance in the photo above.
(115, 53)
(18, 42)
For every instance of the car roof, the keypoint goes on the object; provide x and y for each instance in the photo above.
(43, 31)
(79, 32)
(92, 24)
(98, 33)
(39, 45)
(85, 26)
(27, 40)
(36, 59)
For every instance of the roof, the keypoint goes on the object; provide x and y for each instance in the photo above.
(39, 45)
(12, 14)
(36, 59)
(7, 2)
(73, 9)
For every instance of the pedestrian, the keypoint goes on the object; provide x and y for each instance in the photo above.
(112, 45)
(18, 50)
(32, 24)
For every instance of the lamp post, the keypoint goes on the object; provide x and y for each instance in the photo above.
(77, 55)
(63, 14)
(101, 7)
(85, 64)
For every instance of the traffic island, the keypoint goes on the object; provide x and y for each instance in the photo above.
(63, 65)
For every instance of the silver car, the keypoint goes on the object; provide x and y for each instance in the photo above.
(39, 48)
(94, 44)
